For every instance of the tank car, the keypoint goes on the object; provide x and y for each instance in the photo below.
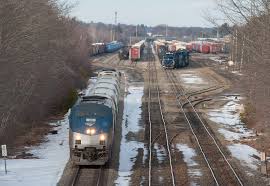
(92, 121)
(113, 46)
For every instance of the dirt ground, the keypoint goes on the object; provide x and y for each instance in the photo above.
(237, 87)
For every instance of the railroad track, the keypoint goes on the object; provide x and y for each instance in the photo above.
(87, 176)
(157, 133)
(221, 169)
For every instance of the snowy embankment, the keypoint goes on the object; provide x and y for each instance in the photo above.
(47, 170)
(50, 158)
(235, 132)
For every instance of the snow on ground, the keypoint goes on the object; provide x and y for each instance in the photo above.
(47, 170)
(228, 117)
(244, 154)
(237, 73)
(129, 149)
(231, 127)
(190, 78)
(161, 152)
(218, 59)
(189, 154)
(53, 156)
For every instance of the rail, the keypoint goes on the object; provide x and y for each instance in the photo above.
(152, 72)
(181, 94)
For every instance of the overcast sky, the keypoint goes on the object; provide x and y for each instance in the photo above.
(148, 12)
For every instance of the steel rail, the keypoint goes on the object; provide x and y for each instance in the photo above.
(177, 92)
(154, 70)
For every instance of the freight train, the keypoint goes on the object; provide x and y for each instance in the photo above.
(100, 48)
(123, 53)
(172, 54)
(206, 47)
(178, 59)
(92, 121)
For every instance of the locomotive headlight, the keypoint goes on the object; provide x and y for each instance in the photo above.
(92, 131)
(78, 137)
(102, 137)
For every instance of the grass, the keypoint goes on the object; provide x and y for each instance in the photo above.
(248, 115)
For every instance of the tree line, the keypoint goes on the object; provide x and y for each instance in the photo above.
(43, 60)
(250, 20)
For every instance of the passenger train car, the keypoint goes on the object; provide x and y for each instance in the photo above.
(92, 121)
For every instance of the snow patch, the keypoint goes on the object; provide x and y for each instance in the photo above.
(244, 154)
(47, 170)
(130, 149)
(189, 154)
(228, 117)
(161, 153)
(189, 78)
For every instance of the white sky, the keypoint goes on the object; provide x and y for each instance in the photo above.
(148, 12)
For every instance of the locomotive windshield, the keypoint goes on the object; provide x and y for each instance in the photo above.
(94, 114)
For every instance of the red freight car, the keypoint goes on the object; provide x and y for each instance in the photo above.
(215, 48)
(189, 47)
(136, 50)
(205, 49)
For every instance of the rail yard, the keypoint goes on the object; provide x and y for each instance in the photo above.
(140, 93)
(164, 136)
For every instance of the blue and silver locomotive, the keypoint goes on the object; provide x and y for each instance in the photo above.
(92, 121)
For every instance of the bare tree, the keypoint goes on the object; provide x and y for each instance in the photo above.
(43, 57)
(251, 46)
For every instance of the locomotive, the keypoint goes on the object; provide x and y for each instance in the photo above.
(123, 53)
(92, 121)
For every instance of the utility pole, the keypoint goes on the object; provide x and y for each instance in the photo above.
(236, 49)
(115, 26)
(166, 30)
(136, 31)
(112, 33)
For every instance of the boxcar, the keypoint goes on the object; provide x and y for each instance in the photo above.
(136, 51)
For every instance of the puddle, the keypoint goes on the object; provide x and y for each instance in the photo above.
(189, 154)
(129, 149)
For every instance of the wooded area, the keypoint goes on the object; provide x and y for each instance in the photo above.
(251, 44)
(43, 56)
